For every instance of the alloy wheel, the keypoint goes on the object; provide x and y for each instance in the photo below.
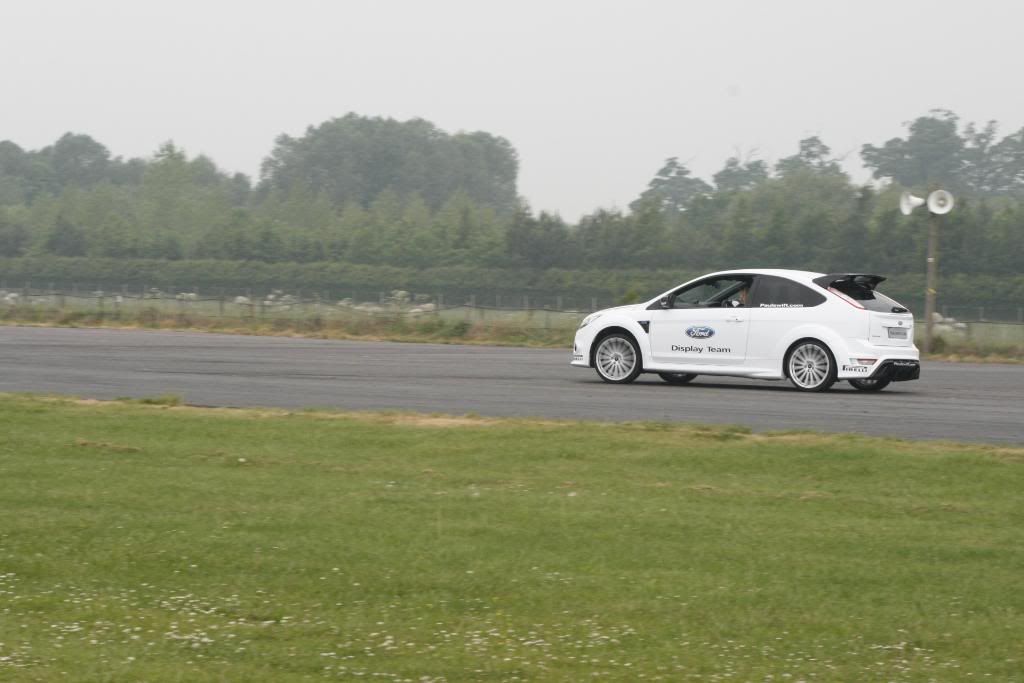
(809, 366)
(615, 359)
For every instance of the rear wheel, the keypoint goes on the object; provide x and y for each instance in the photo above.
(810, 366)
(869, 384)
(676, 377)
(617, 359)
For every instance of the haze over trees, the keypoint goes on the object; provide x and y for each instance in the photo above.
(373, 191)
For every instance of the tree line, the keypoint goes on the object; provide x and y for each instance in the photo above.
(380, 192)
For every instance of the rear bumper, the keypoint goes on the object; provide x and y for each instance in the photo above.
(897, 370)
(859, 359)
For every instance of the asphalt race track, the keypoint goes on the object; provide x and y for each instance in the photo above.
(962, 401)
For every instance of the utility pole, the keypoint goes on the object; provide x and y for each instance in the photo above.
(939, 203)
(929, 286)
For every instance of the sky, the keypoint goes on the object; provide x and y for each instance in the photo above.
(594, 95)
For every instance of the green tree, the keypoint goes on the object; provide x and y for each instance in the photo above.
(355, 158)
(672, 189)
(536, 242)
(604, 238)
(932, 153)
(231, 239)
(66, 239)
(76, 160)
(814, 156)
(992, 166)
(14, 237)
(737, 175)
(23, 175)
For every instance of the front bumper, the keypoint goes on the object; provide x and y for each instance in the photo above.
(578, 358)
(581, 346)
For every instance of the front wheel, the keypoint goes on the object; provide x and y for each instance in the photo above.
(617, 359)
(810, 366)
(676, 377)
(869, 384)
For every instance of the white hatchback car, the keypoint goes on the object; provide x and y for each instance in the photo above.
(812, 328)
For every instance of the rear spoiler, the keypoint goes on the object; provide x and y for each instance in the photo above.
(856, 279)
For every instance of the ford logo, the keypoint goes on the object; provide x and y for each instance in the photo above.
(701, 332)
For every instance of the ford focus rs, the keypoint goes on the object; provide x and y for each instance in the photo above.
(811, 328)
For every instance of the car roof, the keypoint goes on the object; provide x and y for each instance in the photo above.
(804, 276)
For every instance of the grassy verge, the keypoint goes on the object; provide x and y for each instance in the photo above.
(160, 542)
(398, 328)
(427, 328)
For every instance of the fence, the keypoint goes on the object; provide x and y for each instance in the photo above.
(993, 324)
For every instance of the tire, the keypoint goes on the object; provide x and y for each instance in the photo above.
(676, 377)
(869, 384)
(810, 366)
(617, 358)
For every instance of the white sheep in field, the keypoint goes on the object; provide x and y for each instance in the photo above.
(243, 301)
(280, 301)
(423, 308)
(399, 298)
(11, 298)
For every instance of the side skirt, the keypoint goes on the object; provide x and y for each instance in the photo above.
(724, 370)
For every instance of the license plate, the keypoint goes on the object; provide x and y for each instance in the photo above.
(897, 332)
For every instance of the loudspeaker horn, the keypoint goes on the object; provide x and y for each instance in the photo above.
(940, 202)
(909, 202)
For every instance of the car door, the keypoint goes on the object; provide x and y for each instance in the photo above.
(705, 323)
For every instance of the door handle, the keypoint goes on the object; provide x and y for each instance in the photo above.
(734, 319)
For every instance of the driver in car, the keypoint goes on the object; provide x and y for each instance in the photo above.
(738, 298)
(742, 295)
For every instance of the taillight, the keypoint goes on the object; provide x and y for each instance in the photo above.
(852, 302)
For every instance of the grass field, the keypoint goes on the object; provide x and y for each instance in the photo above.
(163, 543)
(452, 327)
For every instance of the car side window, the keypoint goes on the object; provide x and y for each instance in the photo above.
(778, 292)
(712, 292)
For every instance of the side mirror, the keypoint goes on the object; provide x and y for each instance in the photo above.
(735, 304)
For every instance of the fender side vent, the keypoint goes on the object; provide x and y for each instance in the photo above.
(646, 324)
